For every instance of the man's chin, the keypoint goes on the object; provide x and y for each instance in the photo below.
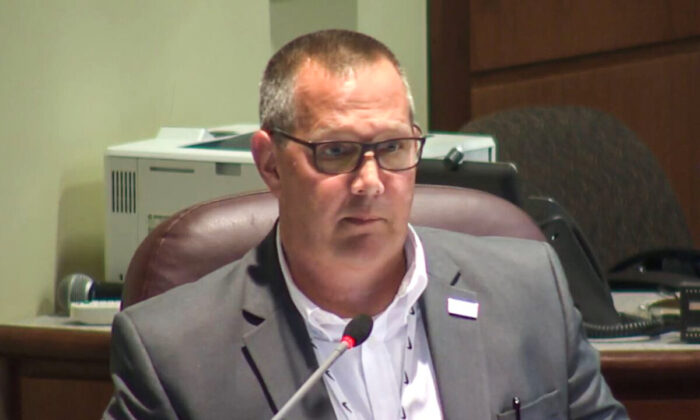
(368, 242)
(363, 232)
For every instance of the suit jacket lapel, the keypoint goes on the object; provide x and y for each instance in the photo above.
(279, 347)
(456, 346)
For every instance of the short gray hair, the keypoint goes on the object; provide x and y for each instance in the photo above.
(335, 49)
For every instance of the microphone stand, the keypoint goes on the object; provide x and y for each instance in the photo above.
(355, 333)
(340, 349)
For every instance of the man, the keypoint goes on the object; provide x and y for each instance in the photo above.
(338, 148)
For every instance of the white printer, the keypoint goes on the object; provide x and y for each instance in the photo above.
(148, 181)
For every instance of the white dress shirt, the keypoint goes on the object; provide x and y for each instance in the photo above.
(391, 375)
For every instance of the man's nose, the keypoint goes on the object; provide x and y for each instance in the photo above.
(367, 181)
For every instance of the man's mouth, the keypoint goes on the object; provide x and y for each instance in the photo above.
(362, 220)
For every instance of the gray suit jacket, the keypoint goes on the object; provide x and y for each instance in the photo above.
(232, 344)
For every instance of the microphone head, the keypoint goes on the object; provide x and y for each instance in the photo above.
(358, 329)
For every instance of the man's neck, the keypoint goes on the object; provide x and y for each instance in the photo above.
(348, 288)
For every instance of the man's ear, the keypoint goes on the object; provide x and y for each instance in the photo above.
(265, 156)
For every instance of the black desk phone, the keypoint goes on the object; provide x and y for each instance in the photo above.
(674, 270)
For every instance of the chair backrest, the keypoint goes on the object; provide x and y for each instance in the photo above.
(209, 235)
(597, 169)
(497, 178)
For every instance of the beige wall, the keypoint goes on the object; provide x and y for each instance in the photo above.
(401, 24)
(77, 76)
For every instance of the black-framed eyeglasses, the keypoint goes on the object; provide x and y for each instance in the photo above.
(338, 157)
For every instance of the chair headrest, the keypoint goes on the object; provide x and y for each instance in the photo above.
(209, 235)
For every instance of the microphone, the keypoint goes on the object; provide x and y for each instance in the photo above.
(354, 334)
(453, 158)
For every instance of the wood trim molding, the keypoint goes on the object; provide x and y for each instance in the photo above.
(449, 87)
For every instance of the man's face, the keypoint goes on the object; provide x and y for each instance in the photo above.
(349, 217)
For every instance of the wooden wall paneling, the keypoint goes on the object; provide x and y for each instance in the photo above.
(448, 64)
(658, 97)
(507, 33)
(695, 188)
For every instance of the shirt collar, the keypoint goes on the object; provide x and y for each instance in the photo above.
(324, 325)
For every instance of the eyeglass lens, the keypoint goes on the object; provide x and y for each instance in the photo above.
(339, 157)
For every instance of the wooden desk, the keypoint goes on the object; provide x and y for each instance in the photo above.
(656, 378)
(655, 384)
(63, 373)
(53, 371)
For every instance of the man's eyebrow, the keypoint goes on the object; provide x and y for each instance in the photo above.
(340, 132)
